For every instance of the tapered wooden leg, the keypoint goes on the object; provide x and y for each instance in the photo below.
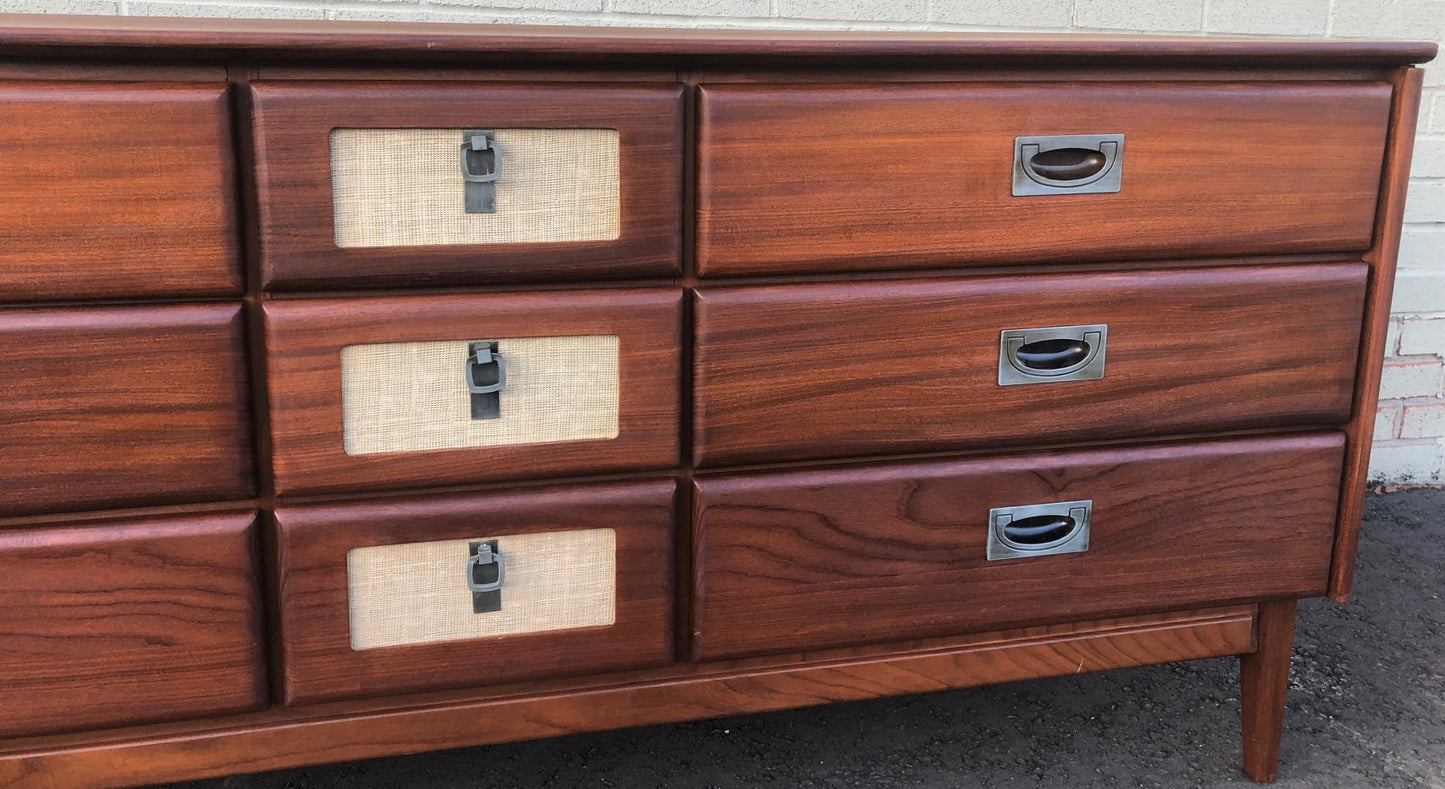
(1263, 681)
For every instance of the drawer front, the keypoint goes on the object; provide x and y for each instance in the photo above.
(364, 184)
(121, 406)
(832, 370)
(816, 559)
(477, 590)
(373, 393)
(816, 178)
(116, 190)
(129, 622)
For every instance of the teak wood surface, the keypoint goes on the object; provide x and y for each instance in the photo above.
(1389, 222)
(116, 189)
(123, 406)
(293, 123)
(318, 663)
(304, 340)
(1263, 684)
(810, 559)
(808, 178)
(352, 730)
(1351, 83)
(132, 37)
(129, 622)
(791, 372)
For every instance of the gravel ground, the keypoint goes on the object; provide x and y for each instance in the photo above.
(1366, 709)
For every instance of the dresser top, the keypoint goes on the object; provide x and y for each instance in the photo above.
(94, 36)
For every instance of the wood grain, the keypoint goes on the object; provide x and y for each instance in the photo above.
(318, 662)
(32, 69)
(123, 406)
(292, 124)
(999, 72)
(283, 40)
(1389, 222)
(116, 190)
(836, 370)
(1235, 147)
(1263, 685)
(130, 622)
(812, 559)
(304, 339)
(272, 740)
(866, 177)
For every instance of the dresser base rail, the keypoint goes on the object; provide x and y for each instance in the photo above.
(289, 737)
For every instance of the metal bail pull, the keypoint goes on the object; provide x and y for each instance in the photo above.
(486, 561)
(481, 167)
(486, 377)
(484, 576)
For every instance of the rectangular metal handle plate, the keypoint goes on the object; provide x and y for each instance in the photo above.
(1039, 529)
(486, 374)
(1064, 164)
(481, 163)
(1050, 354)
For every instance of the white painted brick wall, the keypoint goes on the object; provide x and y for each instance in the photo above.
(1410, 430)
(1174, 16)
(1387, 422)
(1278, 18)
(1404, 379)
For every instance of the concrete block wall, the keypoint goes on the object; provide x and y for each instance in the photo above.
(1410, 427)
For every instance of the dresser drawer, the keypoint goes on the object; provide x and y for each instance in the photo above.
(363, 183)
(832, 370)
(129, 622)
(849, 177)
(407, 595)
(827, 558)
(369, 393)
(116, 190)
(121, 406)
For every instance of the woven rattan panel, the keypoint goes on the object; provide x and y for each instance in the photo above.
(412, 397)
(403, 187)
(417, 593)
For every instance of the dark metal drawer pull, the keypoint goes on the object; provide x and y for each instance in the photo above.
(1068, 164)
(1039, 529)
(485, 573)
(486, 377)
(1052, 353)
(481, 167)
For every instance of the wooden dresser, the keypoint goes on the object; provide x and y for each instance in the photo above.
(377, 389)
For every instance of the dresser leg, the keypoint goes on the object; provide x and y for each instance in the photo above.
(1263, 681)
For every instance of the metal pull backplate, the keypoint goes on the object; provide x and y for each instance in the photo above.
(1068, 164)
(485, 574)
(486, 377)
(1050, 354)
(1039, 529)
(481, 167)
